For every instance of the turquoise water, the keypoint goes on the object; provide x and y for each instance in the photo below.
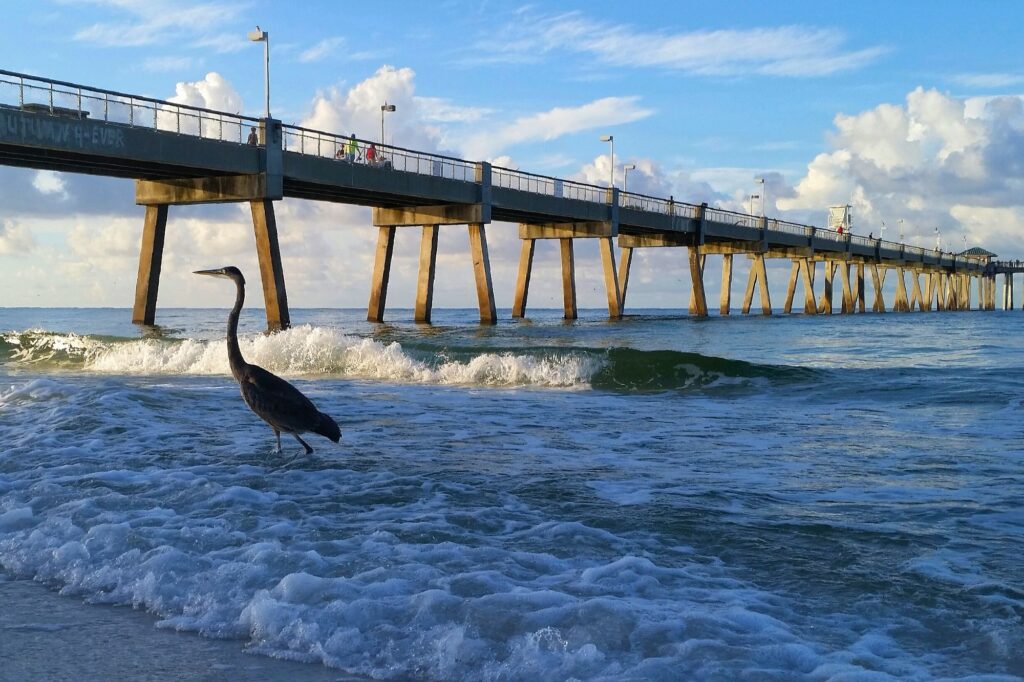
(661, 498)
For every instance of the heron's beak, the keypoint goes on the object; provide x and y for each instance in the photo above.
(212, 273)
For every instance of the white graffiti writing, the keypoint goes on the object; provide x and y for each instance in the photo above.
(48, 131)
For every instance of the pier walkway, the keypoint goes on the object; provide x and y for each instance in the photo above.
(186, 155)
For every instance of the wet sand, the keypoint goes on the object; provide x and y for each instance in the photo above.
(45, 636)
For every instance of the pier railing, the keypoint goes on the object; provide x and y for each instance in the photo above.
(70, 100)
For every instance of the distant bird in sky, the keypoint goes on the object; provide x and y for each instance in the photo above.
(272, 398)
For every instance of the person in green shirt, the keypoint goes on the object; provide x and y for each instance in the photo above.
(352, 149)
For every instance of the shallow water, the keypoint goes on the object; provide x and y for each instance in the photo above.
(660, 498)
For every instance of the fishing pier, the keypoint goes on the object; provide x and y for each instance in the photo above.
(179, 155)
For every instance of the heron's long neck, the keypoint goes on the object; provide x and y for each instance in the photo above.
(234, 353)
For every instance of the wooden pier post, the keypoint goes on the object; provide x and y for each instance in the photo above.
(381, 273)
(1007, 291)
(611, 281)
(809, 269)
(482, 273)
(428, 265)
(698, 301)
(725, 296)
(568, 279)
(271, 271)
(915, 292)
(794, 274)
(523, 278)
(844, 274)
(900, 304)
(151, 253)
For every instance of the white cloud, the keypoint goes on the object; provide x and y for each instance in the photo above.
(157, 22)
(988, 80)
(213, 92)
(548, 125)
(936, 161)
(440, 110)
(779, 51)
(15, 238)
(50, 182)
(325, 48)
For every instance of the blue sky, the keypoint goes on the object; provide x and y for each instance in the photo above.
(907, 110)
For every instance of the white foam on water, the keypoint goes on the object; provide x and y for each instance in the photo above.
(305, 350)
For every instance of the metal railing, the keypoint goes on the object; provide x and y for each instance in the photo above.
(69, 100)
(522, 181)
(355, 150)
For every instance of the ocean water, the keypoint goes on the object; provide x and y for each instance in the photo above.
(660, 498)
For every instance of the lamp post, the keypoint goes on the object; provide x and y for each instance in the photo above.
(900, 224)
(261, 36)
(384, 108)
(762, 195)
(610, 139)
(938, 239)
(750, 210)
(881, 232)
(625, 174)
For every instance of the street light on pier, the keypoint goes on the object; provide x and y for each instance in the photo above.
(384, 108)
(261, 36)
(900, 224)
(762, 195)
(750, 210)
(610, 139)
(881, 232)
(938, 240)
(625, 175)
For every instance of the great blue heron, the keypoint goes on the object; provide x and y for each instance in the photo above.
(272, 398)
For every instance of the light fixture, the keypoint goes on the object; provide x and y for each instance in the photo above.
(261, 36)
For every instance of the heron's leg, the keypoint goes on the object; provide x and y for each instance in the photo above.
(278, 434)
(309, 450)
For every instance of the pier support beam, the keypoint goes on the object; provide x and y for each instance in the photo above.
(1007, 291)
(860, 287)
(381, 273)
(428, 265)
(698, 301)
(271, 271)
(825, 305)
(611, 281)
(915, 292)
(482, 273)
(151, 253)
(523, 278)
(844, 274)
(725, 298)
(568, 279)
(758, 278)
(625, 262)
(802, 269)
(878, 305)
(900, 304)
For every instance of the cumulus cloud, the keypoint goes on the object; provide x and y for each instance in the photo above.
(213, 92)
(15, 238)
(794, 51)
(935, 161)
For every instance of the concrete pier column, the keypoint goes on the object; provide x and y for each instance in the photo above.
(825, 305)
(151, 253)
(381, 273)
(1007, 291)
(482, 273)
(625, 262)
(611, 281)
(951, 300)
(725, 297)
(794, 274)
(878, 280)
(940, 291)
(271, 271)
(915, 292)
(860, 287)
(900, 304)
(568, 279)
(523, 278)
(428, 265)
(844, 275)
(698, 301)
(808, 269)
(758, 277)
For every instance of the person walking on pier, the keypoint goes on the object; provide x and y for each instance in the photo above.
(253, 137)
(352, 149)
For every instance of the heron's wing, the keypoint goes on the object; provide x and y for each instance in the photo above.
(277, 402)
